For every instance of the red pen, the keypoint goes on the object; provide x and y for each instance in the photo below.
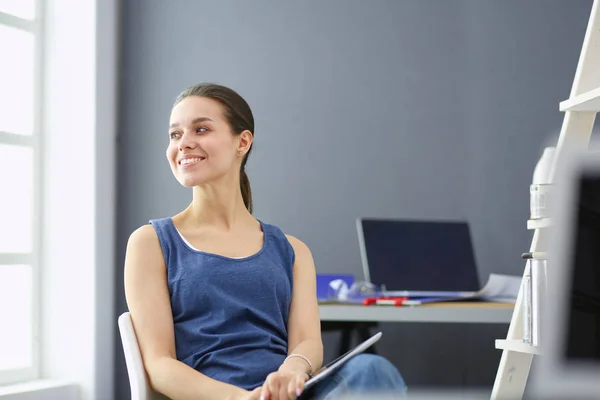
(391, 301)
(384, 301)
(369, 301)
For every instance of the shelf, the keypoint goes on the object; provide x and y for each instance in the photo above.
(587, 101)
(518, 346)
(539, 223)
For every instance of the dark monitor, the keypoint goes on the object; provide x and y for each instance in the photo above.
(570, 335)
(583, 319)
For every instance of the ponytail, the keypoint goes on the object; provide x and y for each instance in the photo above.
(246, 190)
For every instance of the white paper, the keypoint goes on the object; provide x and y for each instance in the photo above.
(500, 287)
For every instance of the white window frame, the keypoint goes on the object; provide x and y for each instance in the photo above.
(34, 142)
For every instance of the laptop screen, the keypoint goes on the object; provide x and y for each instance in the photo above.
(419, 255)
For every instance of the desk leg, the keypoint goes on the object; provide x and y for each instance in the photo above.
(344, 346)
(347, 329)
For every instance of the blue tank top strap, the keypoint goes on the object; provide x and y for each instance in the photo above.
(166, 235)
(278, 247)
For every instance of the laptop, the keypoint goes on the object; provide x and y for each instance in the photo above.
(570, 334)
(417, 258)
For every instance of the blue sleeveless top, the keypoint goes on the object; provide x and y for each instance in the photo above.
(230, 314)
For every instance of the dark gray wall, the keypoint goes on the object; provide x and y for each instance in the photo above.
(420, 109)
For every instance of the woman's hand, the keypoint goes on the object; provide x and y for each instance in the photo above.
(284, 385)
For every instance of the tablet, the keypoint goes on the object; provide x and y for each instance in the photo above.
(334, 365)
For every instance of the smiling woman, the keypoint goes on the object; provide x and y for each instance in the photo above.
(233, 312)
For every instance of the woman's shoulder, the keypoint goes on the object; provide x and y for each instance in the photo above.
(297, 245)
(143, 236)
(150, 233)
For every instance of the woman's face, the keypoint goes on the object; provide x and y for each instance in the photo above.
(201, 145)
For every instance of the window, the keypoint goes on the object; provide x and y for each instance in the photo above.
(20, 187)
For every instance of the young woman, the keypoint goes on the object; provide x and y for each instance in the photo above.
(224, 305)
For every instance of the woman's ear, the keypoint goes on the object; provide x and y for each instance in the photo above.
(245, 141)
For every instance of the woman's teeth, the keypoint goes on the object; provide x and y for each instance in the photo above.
(190, 161)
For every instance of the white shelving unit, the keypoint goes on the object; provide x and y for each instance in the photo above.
(588, 101)
(539, 223)
(580, 113)
(517, 345)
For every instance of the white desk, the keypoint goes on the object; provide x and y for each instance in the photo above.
(478, 313)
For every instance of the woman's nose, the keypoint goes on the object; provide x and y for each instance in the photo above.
(187, 141)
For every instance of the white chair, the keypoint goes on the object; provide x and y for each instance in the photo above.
(138, 380)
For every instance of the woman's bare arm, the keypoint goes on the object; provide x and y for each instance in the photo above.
(304, 325)
(148, 301)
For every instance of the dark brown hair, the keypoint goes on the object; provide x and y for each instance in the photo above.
(238, 114)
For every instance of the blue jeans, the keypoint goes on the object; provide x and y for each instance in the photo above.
(364, 373)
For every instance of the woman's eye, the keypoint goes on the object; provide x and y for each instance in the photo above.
(201, 130)
(174, 135)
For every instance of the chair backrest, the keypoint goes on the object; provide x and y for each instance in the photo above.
(138, 380)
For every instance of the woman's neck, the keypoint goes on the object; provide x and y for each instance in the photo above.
(219, 204)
